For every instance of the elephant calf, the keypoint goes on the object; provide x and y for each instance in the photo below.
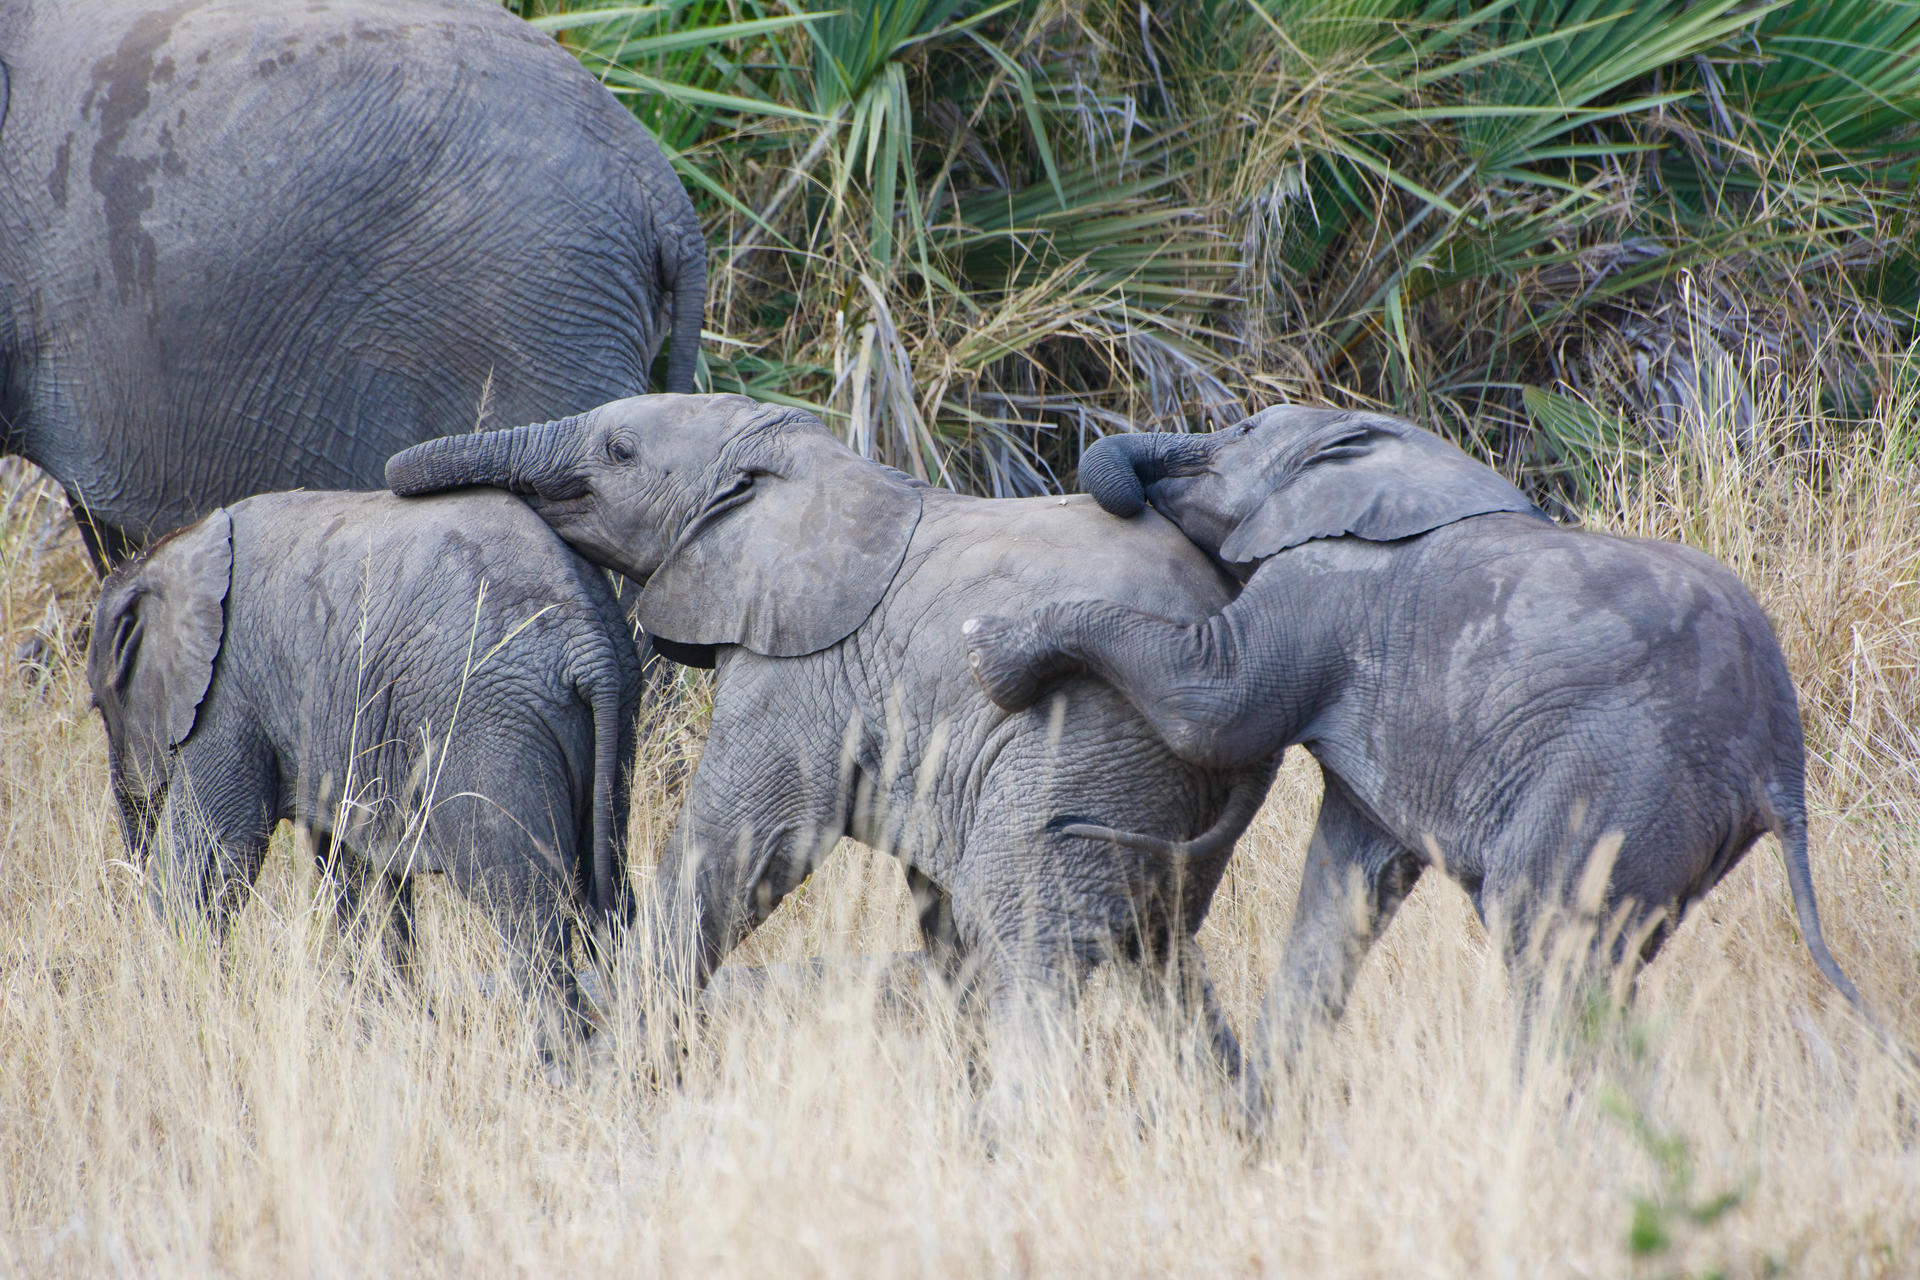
(1560, 720)
(426, 686)
(829, 590)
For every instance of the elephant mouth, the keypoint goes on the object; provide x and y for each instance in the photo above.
(567, 515)
(568, 489)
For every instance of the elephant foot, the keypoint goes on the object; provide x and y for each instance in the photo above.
(1011, 660)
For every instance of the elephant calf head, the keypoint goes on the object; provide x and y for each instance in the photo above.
(749, 524)
(156, 633)
(1288, 475)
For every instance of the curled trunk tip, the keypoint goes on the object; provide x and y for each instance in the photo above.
(1116, 470)
(429, 468)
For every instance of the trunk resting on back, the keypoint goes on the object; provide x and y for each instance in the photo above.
(522, 460)
(1116, 470)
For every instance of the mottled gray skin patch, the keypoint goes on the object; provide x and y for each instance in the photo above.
(218, 279)
(877, 733)
(121, 93)
(1510, 700)
(437, 686)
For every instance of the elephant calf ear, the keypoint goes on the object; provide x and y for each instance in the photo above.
(156, 634)
(1364, 476)
(790, 557)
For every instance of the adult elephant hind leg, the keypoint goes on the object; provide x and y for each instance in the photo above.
(1354, 880)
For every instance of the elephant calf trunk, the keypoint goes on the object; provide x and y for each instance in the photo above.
(431, 467)
(1116, 470)
(519, 460)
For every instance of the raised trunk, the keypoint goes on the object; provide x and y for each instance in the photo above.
(1116, 470)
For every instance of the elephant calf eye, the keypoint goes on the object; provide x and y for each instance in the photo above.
(619, 450)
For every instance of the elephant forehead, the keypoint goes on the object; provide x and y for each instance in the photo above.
(1046, 549)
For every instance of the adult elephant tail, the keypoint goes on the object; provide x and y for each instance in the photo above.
(1249, 791)
(689, 313)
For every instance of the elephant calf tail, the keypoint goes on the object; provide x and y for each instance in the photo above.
(1243, 802)
(1792, 833)
(606, 887)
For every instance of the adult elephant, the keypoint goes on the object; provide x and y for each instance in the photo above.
(832, 589)
(252, 246)
(1565, 722)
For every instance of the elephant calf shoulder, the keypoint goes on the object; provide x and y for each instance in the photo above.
(436, 685)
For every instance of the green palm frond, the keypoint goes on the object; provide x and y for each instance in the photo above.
(1843, 73)
(975, 233)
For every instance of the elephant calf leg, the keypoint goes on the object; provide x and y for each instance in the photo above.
(1208, 694)
(1355, 878)
(946, 954)
(368, 904)
(1182, 975)
(215, 842)
(534, 924)
(524, 887)
(1567, 957)
(716, 886)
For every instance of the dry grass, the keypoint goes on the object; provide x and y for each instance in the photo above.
(166, 1110)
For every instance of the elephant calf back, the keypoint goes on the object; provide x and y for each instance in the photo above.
(438, 686)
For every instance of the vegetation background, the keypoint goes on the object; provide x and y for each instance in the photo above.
(1655, 260)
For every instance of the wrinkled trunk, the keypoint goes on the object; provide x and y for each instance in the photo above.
(526, 460)
(1117, 470)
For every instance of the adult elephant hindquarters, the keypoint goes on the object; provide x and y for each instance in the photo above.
(1565, 721)
(253, 246)
(834, 589)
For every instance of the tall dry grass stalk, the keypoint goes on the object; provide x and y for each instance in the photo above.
(169, 1108)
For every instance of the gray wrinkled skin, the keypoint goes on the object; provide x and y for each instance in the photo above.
(833, 589)
(1484, 690)
(437, 686)
(255, 245)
